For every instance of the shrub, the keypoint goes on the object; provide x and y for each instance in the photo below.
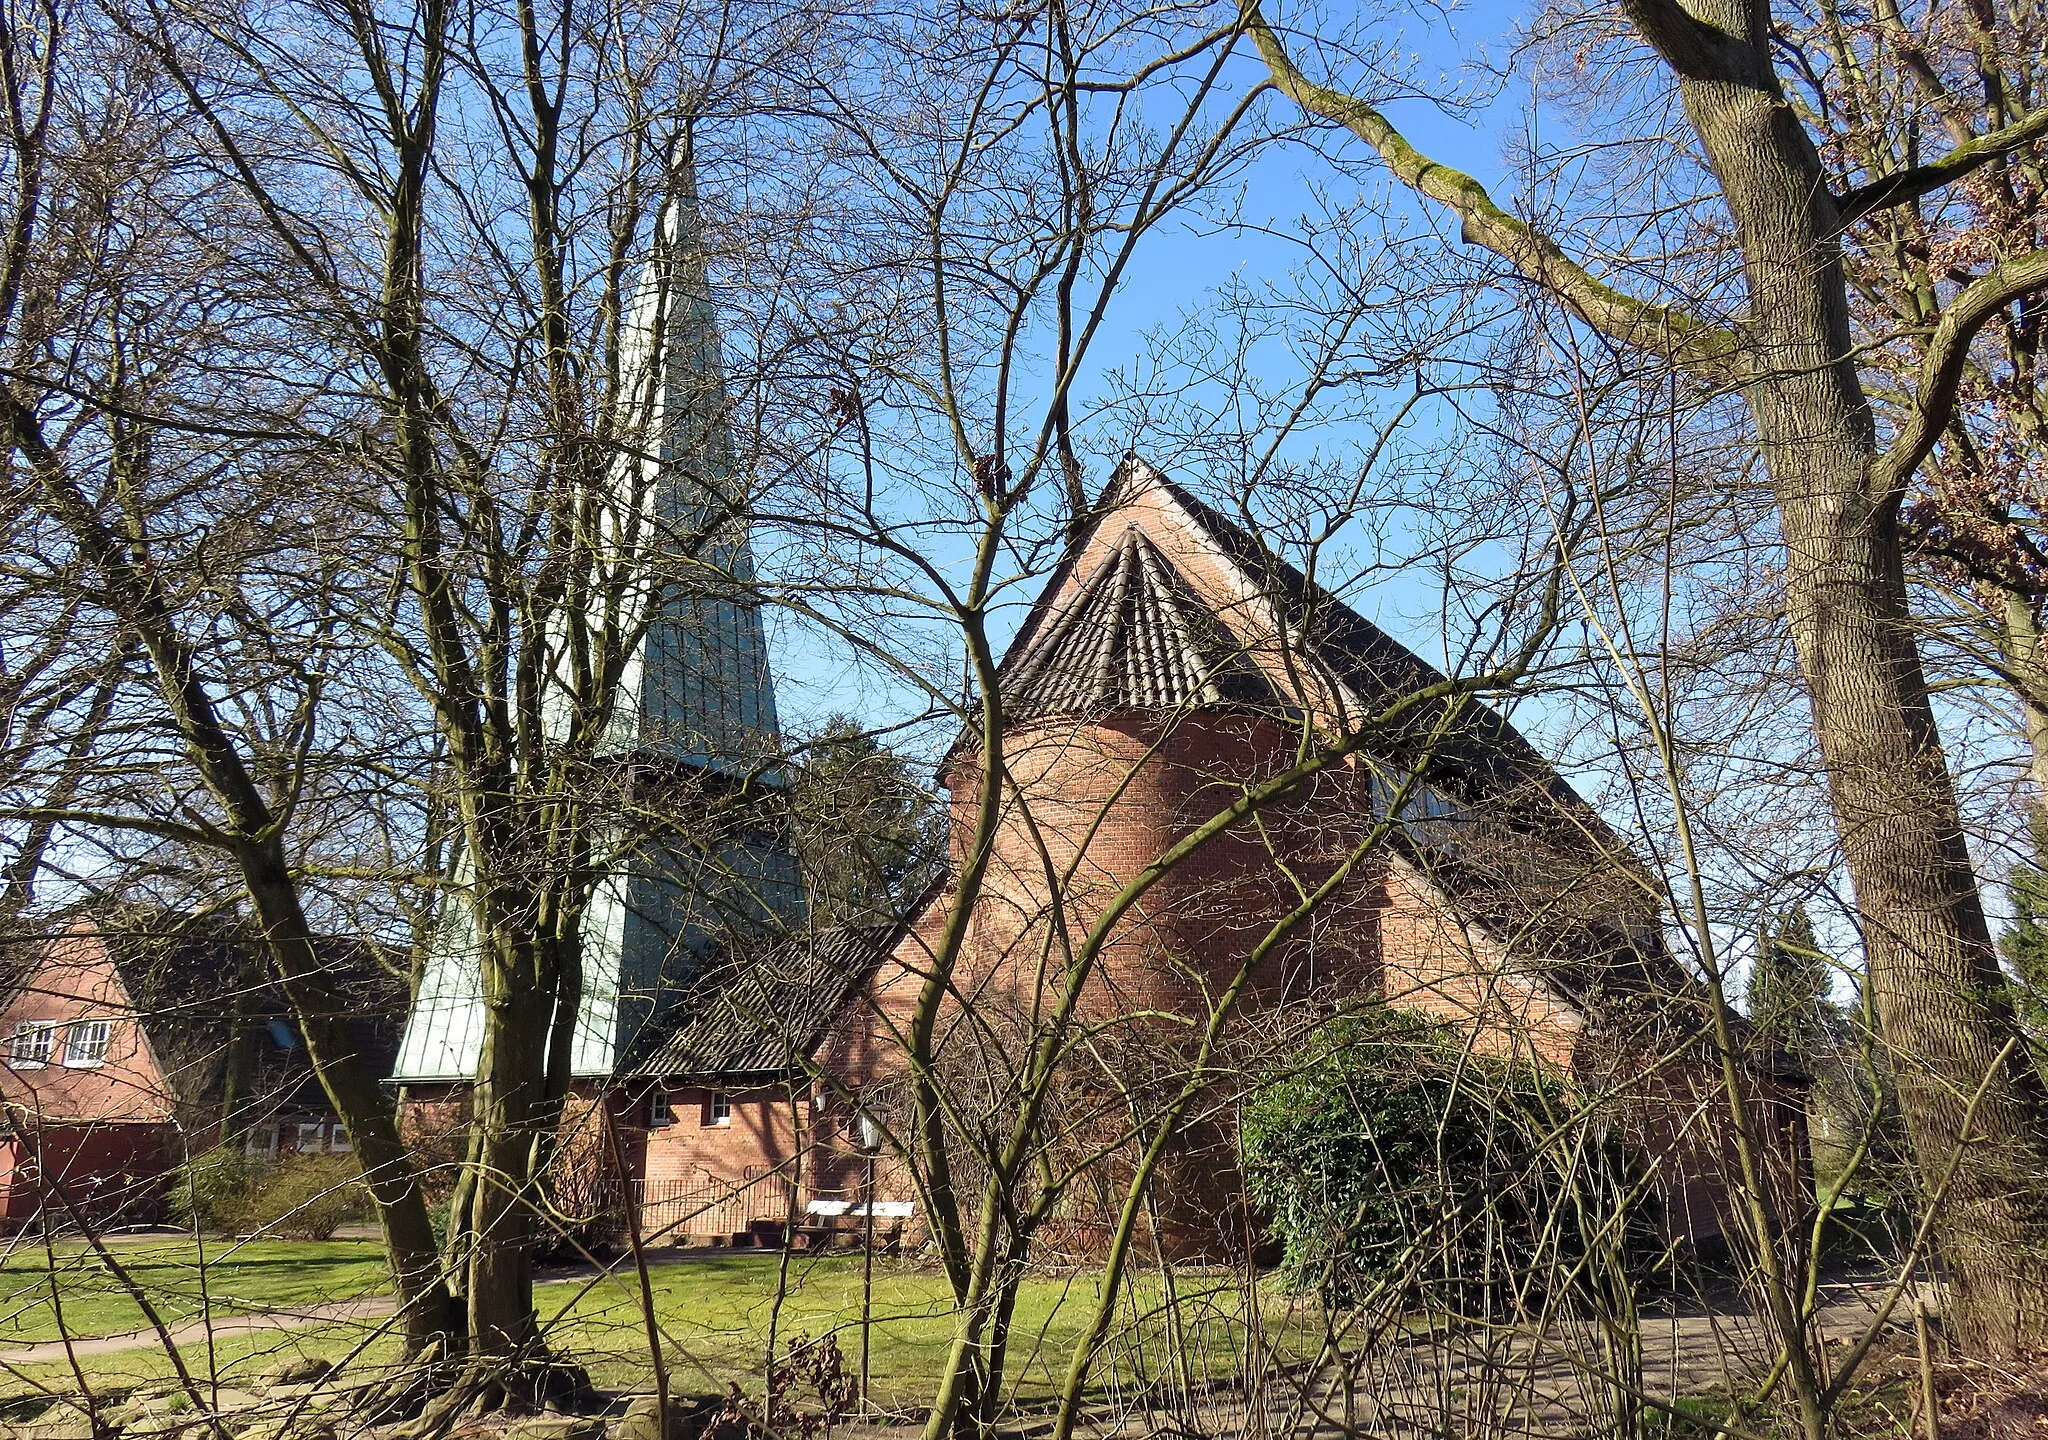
(209, 1190)
(1388, 1159)
(307, 1197)
(304, 1197)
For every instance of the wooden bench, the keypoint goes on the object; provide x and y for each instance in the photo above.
(827, 1221)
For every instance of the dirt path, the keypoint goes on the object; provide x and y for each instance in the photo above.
(187, 1332)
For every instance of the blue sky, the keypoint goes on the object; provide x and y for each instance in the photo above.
(1183, 266)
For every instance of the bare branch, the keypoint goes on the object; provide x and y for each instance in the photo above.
(1910, 184)
(1941, 370)
(1661, 329)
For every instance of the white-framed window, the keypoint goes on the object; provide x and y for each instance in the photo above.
(85, 1043)
(338, 1139)
(718, 1110)
(311, 1132)
(659, 1111)
(30, 1047)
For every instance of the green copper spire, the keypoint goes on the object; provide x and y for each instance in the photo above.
(695, 709)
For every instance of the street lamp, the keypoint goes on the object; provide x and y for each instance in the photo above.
(868, 1132)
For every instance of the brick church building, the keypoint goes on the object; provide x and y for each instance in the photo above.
(1170, 666)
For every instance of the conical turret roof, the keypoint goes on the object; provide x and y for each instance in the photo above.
(1133, 636)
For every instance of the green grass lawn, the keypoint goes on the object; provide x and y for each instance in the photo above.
(256, 1275)
(714, 1310)
(715, 1315)
(233, 1361)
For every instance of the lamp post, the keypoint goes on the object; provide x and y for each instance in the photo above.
(870, 1135)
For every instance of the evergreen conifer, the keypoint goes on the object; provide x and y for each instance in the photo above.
(1788, 998)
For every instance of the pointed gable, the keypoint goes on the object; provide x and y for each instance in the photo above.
(1160, 592)
(75, 980)
(1163, 602)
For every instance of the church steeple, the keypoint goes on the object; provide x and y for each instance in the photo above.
(698, 687)
(696, 698)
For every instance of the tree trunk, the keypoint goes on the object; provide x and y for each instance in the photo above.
(1975, 1108)
(533, 987)
(361, 1099)
(510, 1115)
(1973, 1103)
(2020, 638)
(351, 1082)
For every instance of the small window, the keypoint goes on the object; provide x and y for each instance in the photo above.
(338, 1141)
(310, 1134)
(30, 1047)
(659, 1111)
(719, 1110)
(85, 1043)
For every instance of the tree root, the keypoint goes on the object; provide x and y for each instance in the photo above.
(534, 1382)
(406, 1395)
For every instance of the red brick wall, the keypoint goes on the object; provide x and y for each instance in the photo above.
(1093, 805)
(76, 981)
(108, 1173)
(759, 1135)
(696, 1178)
(1438, 964)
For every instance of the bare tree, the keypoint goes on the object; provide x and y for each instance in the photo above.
(101, 344)
(1790, 354)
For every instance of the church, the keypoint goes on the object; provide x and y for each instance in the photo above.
(753, 1078)
(1171, 665)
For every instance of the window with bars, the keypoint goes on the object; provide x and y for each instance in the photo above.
(85, 1043)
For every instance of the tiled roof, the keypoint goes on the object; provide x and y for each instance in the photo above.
(1133, 636)
(1481, 749)
(763, 1015)
(1101, 648)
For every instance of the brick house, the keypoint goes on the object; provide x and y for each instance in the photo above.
(138, 1039)
(1169, 663)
